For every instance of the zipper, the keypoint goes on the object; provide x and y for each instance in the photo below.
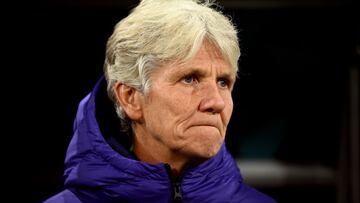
(177, 192)
(176, 185)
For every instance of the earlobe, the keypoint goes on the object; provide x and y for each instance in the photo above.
(129, 99)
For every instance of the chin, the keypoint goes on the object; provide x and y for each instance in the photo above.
(202, 145)
(204, 151)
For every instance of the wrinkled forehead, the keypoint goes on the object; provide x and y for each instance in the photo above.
(210, 58)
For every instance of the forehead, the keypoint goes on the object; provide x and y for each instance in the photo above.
(207, 58)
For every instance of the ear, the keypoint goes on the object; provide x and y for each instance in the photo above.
(129, 99)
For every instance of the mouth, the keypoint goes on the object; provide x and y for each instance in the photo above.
(207, 130)
(206, 125)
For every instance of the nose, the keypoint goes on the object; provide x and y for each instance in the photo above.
(212, 101)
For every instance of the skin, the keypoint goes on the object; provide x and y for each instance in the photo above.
(183, 118)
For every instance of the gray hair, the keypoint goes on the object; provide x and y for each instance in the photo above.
(157, 32)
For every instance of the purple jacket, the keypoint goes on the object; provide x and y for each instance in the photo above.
(99, 168)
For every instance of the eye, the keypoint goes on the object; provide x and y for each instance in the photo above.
(223, 83)
(188, 79)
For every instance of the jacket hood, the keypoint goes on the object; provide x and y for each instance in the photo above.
(94, 165)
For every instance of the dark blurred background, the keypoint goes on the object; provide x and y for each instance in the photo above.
(295, 126)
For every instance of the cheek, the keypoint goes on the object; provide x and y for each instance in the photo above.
(226, 114)
(164, 113)
(231, 106)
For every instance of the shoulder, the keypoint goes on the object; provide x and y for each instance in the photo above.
(66, 196)
(251, 195)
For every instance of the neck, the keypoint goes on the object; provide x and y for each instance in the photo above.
(152, 151)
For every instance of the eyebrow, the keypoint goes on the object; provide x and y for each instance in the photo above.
(202, 73)
(227, 75)
(193, 71)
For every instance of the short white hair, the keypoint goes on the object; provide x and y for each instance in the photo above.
(157, 32)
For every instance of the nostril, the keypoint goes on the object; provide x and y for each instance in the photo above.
(210, 110)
